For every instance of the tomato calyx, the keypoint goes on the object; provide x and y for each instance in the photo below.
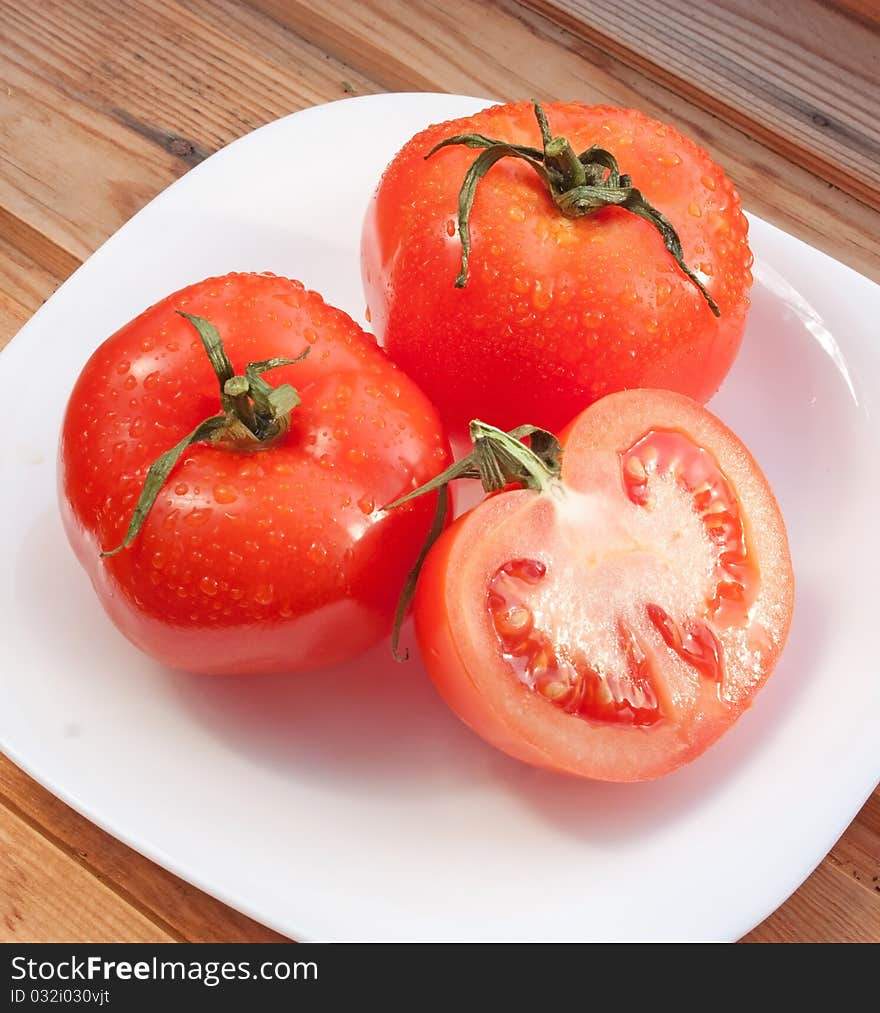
(579, 185)
(499, 459)
(254, 415)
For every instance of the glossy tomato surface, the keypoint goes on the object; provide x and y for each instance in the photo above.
(277, 559)
(556, 312)
(616, 625)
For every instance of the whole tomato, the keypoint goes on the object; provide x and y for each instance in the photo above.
(256, 541)
(600, 245)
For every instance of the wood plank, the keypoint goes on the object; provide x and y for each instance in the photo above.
(503, 50)
(189, 76)
(798, 75)
(829, 908)
(69, 177)
(45, 895)
(24, 287)
(140, 92)
(866, 11)
(186, 912)
(13, 316)
(857, 853)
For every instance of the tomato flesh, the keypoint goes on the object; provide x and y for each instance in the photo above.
(561, 675)
(617, 625)
(698, 472)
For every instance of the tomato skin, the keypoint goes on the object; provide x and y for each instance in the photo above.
(556, 312)
(464, 660)
(278, 559)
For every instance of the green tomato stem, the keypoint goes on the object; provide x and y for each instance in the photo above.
(254, 415)
(580, 185)
(498, 459)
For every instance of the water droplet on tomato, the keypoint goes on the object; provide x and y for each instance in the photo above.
(316, 553)
(123, 366)
(208, 586)
(264, 594)
(225, 494)
(541, 298)
(664, 290)
(719, 222)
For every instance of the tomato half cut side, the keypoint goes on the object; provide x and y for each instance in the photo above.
(617, 624)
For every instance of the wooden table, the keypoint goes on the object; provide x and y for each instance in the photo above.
(103, 103)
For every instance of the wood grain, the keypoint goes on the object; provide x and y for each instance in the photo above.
(797, 74)
(56, 207)
(43, 891)
(830, 909)
(504, 50)
(102, 104)
(24, 287)
(185, 913)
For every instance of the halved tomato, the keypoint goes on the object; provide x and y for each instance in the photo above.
(616, 619)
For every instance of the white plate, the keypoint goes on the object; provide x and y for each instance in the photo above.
(355, 806)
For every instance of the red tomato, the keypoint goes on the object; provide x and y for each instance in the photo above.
(256, 556)
(557, 311)
(615, 624)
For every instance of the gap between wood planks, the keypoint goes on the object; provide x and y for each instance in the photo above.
(178, 910)
(31, 905)
(141, 92)
(758, 66)
(507, 51)
(101, 107)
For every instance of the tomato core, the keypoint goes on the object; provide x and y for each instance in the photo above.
(610, 673)
(669, 453)
(563, 674)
